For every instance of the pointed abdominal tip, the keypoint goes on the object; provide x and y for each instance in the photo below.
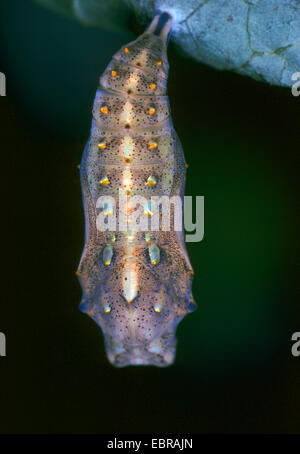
(161, 26)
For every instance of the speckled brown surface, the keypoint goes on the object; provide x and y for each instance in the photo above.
(137, 290)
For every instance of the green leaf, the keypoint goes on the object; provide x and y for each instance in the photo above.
(258, 38)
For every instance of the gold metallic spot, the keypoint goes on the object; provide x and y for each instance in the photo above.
(151, 181)
(152, 86)
(128, 191)
(154, 254)
(107, 309)
(112, 238)
(157, 308)
(148, 237)
(104, 181)
(113, 73)
(186, 165)
(159, 63)
(151, 111)
(127, 160)
(108, 208)
(102, 145)
(107, 255)
(152, 145)
(126, 50)
(148, 209)
(104, 110)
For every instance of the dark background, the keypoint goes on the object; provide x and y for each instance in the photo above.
(234, 371)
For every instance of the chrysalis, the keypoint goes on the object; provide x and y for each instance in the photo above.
(136, 284)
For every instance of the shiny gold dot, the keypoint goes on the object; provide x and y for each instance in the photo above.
(113, 73)
(126, 50)
(148, 209)
(108, 208)
(151, 111)
(128, 191)
(127, 160)
(104, 110)
(148, 237)
(151, 181)
(104, 181)
(107, 255)
(152, 86)
(159, 63)
(152, 145)
(102, 145)
(154, 254)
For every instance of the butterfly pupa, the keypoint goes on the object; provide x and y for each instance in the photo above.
(136, 284)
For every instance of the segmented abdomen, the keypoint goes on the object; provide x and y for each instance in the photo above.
(136, 284)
